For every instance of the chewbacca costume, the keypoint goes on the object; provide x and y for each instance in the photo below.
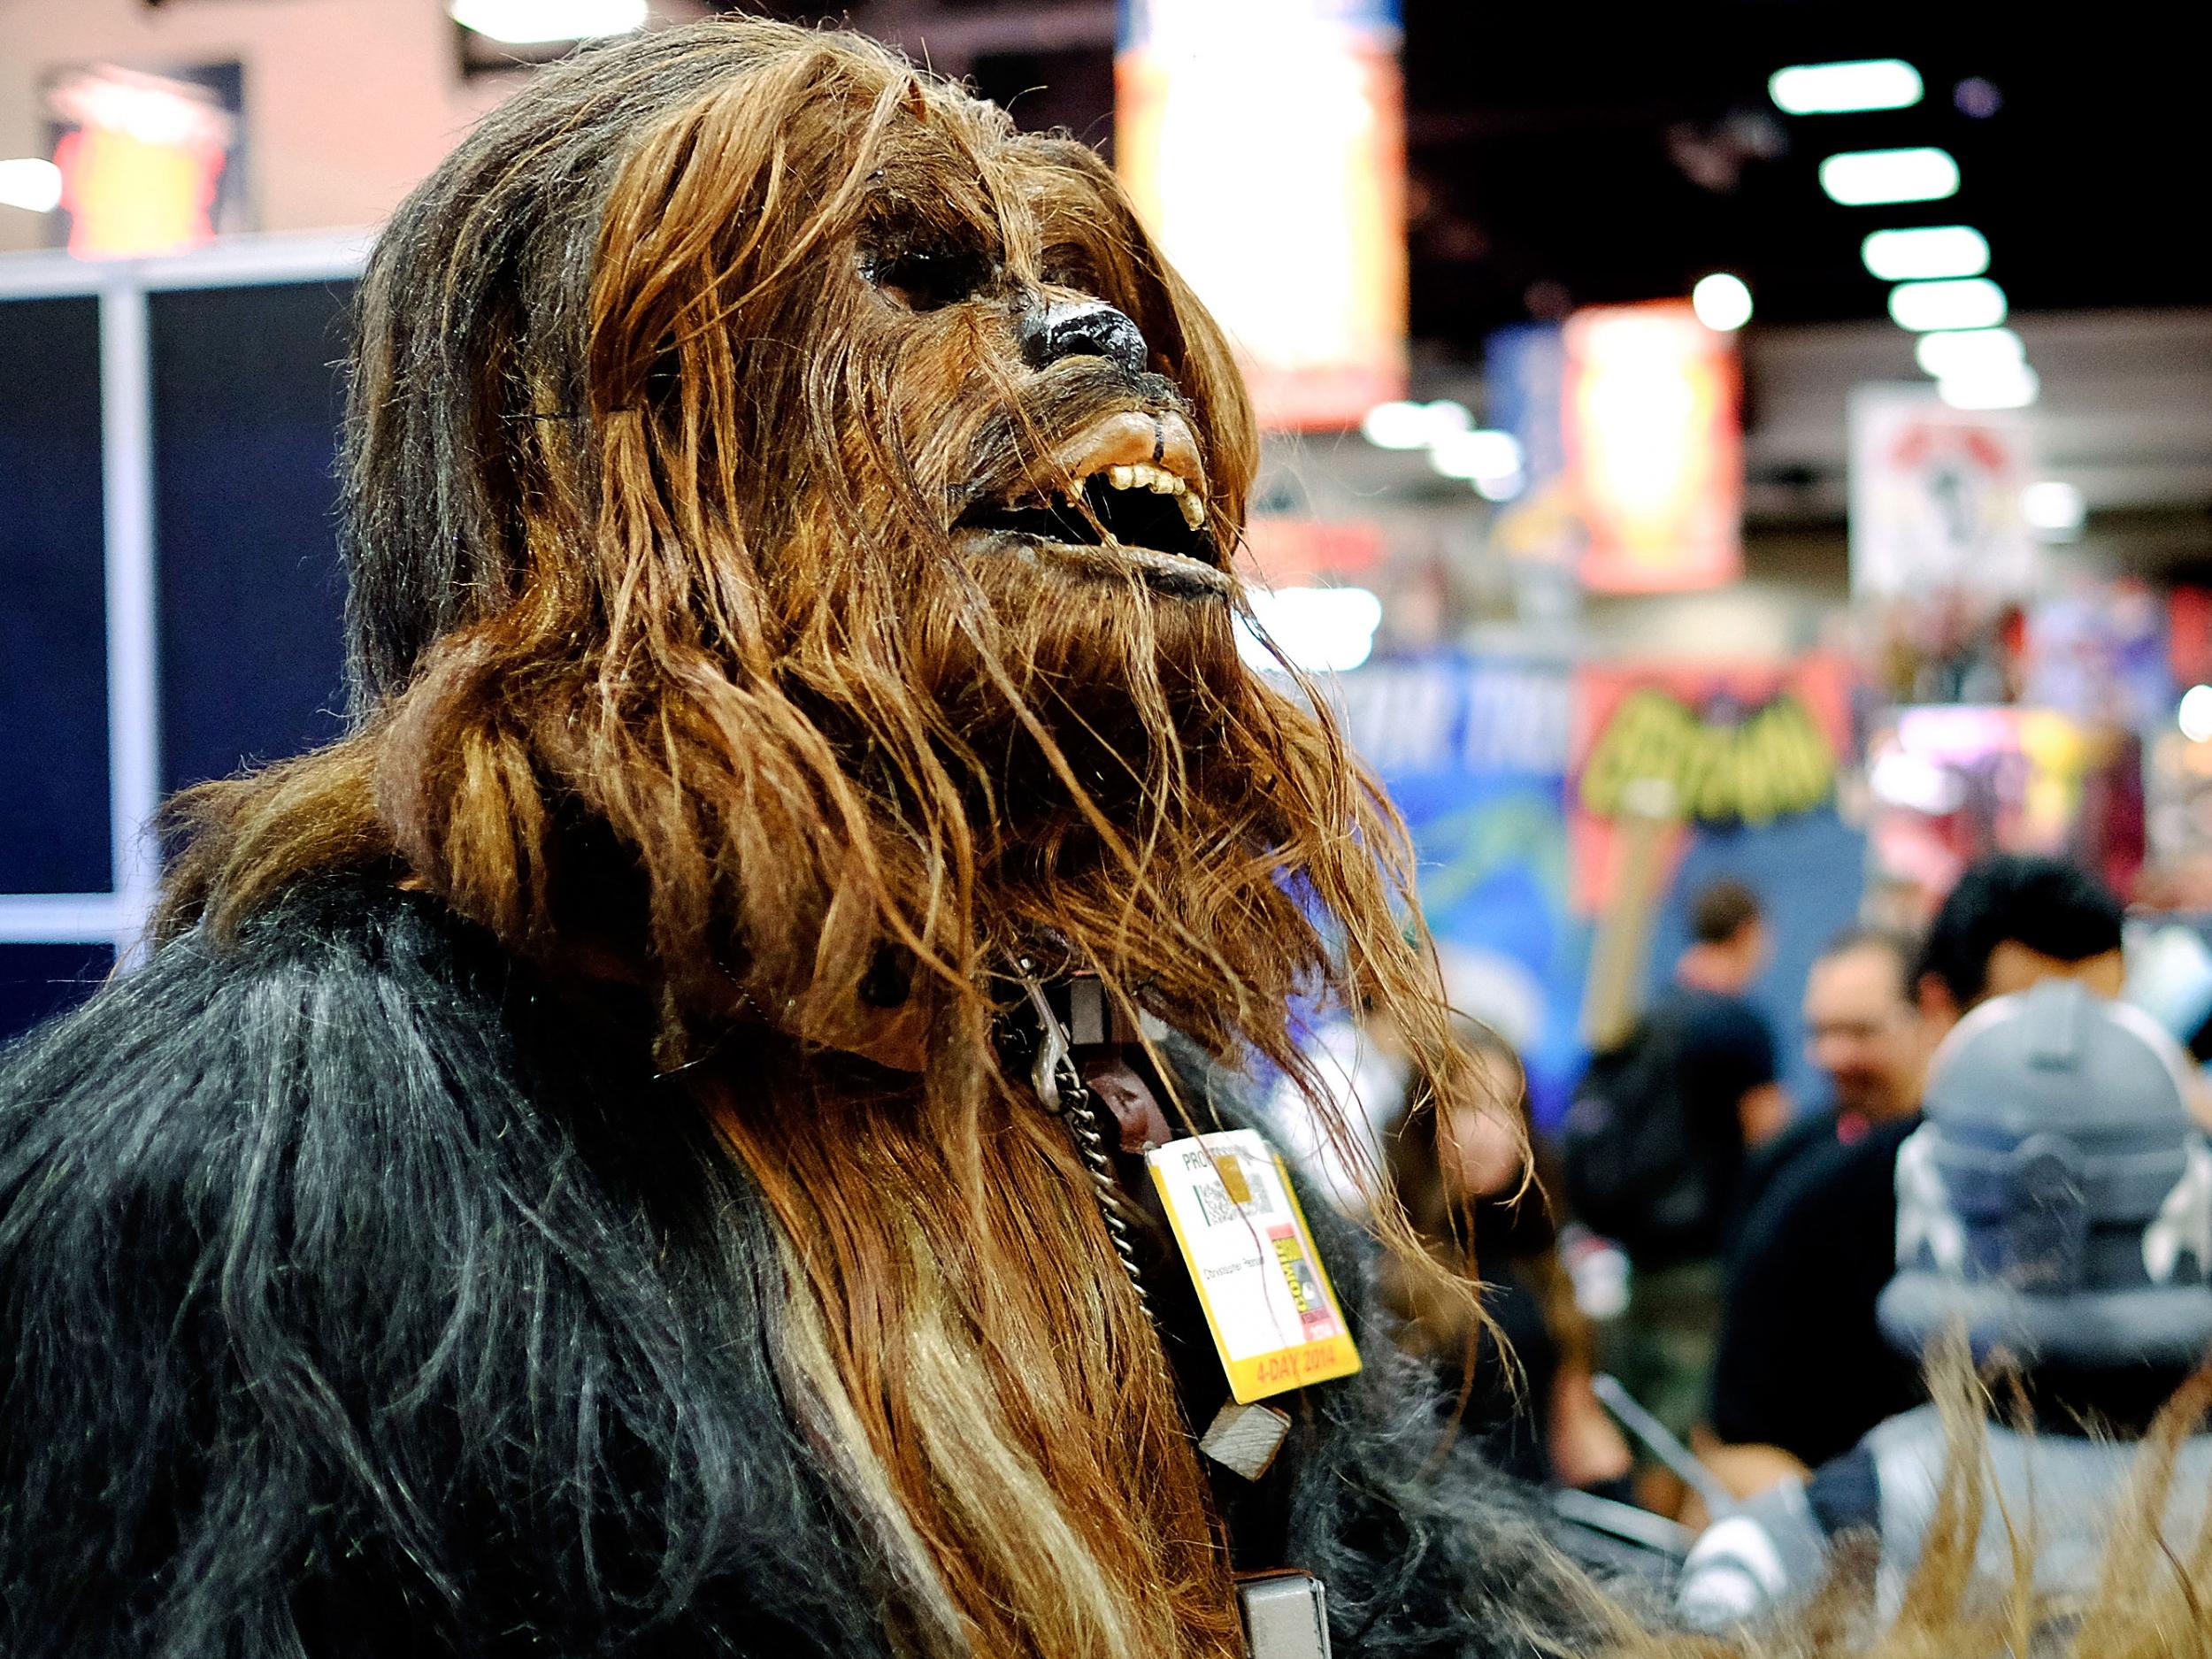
(568, 1180)
(558, 1186)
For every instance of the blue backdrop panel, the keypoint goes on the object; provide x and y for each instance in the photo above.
(247, 399)
(1473, 751)
(1809, 871)
(53, 629)
(37, 981)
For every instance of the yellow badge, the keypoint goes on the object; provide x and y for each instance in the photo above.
(1269, 1304)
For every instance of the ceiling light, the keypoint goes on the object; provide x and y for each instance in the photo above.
(1968, 351)
(1322, 630)
(1402, 426)
(1977, 98)
(30, 183)
(2196, 713)
(1476, 455)
(1934, 251)
(537, 22)
(1970, 302)
(1879, 83)
(1722, 301)
(2053, 506)
(1868, 178)
(1500, 487)
(1998, 388)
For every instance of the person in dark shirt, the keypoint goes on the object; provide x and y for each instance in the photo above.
(1801, 1371)
(1730, 1097)
(1864, 1031)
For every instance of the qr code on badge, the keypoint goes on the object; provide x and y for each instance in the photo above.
(1216, 1205)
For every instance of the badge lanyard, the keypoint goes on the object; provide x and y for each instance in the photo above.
(1269, 1307)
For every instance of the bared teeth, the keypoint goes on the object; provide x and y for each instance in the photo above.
(1160, 481)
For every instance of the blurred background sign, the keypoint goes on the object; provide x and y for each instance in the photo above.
(1654, 447)
(1936, 495)
(1263, 141)
(149, 164)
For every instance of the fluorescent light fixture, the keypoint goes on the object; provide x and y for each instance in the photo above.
(1476, 455)
(31, 184)
(1401, 426)
(1322, 630)
(538, 22)
(1869, 178)
(1875, 83)
(2195, 716)
(2054, 507)
(1722, 301)
(1503, 487)
(1968, 303)
(1933, 250)
(1962, 352)
(1999, 388)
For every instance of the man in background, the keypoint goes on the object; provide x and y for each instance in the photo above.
(1655, 1146)
(1801, 1371)
(1865, 1032)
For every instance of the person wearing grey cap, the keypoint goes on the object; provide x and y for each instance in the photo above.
(2055, 1207)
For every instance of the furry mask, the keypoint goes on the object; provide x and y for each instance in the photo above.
(790, 516)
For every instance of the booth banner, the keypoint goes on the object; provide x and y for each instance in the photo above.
(1746, 760)
(1725, 747)
(1473, 752)
(1263, 142)
(1935, 495)
(1653, 441)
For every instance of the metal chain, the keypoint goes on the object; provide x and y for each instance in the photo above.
(1081, 1112)
(1060, 1087)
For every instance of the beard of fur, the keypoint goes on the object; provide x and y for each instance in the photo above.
(732, 719)
(1008, 1406)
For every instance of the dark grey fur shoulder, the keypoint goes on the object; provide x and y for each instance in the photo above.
(362, 1297)
(348, 1311)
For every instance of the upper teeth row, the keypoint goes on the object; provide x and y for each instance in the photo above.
(1144, 475)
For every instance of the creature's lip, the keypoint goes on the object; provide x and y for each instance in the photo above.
(1175, 573)
(1128, 485)
(1134, 438)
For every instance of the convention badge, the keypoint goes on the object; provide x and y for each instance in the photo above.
(1273, 1314)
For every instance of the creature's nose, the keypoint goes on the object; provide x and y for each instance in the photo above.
(1082, 328)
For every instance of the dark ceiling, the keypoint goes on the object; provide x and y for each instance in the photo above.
(1560, 154)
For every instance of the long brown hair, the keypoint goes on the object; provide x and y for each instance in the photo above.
(672, 669)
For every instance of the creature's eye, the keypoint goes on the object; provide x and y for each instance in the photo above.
(924, 275)
(1070, 267)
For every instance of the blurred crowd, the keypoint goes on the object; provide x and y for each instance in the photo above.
(2008, 1156)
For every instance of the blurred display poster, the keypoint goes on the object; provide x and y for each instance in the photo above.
(2099, 650)
(1652, 438)
(150, 162)
(1473, 750)
(1538, 536)
(1749, 757)
(2178, 785)
(1951, 783)
(1263, 144)
(1935, 495)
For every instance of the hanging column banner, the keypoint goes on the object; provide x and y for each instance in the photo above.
(1264, 143)
(1935, 495)
(151, 164)
(1654, 443)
